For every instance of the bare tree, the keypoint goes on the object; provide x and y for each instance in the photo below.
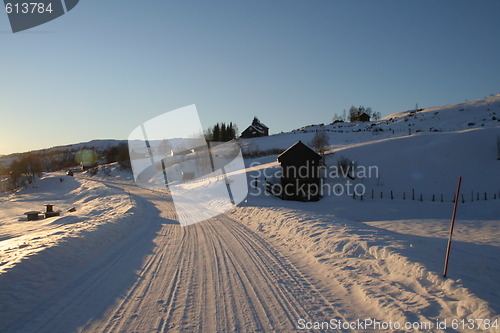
(353, 112)
(347, 167)
(336, 117)
(320, 142)
(4, 171)
(376, 116)
(15, 173)
(368, 111)
(29, 165)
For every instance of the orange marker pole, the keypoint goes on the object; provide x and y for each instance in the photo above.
(451, 228)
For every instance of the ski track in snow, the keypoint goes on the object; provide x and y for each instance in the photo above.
(214, 276)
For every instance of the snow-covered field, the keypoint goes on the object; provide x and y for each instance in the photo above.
(36, 256)
(388, 247)
(122, 263)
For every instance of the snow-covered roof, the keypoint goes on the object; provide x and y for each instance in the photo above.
(263, 125)
(256, 127)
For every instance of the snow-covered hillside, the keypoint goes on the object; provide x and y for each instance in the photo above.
(481, 113)
(405, 203)
(416, 155)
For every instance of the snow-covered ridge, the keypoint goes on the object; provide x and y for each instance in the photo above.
(97, 145)
(481, 113)
(479, 105)
(484, 112)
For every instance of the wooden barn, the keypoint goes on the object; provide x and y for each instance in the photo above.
(300, 173)
(257, 129)
(360, 117)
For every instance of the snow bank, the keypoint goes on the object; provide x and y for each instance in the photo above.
(36, 255)
(112, 171)
(371, 264)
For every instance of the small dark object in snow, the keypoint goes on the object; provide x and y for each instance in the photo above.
(52, 214)
(32, 215)
(72, 209)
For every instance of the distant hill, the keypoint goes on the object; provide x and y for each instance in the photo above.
(97, 145)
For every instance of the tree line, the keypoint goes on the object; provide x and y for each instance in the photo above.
(222, 132)
(26, 167)
(356, 111)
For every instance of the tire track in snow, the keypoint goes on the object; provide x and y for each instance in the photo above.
(216, 275)
(294, 276)
(227, 279)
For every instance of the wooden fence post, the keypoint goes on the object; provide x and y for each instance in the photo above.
(451, 228)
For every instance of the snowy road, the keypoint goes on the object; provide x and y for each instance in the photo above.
(217, 275)
(124, 264)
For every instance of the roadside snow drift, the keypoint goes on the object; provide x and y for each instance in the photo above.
(37, 255)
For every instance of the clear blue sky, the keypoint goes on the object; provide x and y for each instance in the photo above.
(107, 66)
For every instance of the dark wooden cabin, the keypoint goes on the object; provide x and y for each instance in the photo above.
(300, 173)
(360, 117)
(257, 129)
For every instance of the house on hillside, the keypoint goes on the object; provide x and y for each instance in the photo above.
(360, 117)
(257, 129)
(301, 173)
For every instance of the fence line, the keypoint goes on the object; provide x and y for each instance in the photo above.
(414, 196)
(376, 130)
